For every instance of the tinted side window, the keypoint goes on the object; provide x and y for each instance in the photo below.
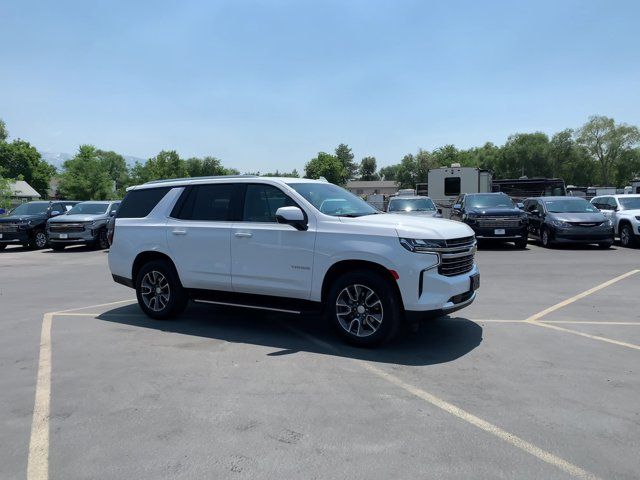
(611, 203)
(452, 186)
(208, 202)
(139, 203)
(262, 201)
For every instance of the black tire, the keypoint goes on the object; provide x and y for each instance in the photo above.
(545, 238)
(3, 246)
(58, 247)
(627, 237)
(363, 314)
(166, 305)
(605, 245)
(38, 240)
(521, 243)
(102, 242)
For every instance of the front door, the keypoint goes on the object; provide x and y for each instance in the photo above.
(270, 258)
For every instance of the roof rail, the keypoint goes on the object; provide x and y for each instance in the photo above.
(166, 180)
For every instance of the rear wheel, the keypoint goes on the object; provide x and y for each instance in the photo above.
(38, 240)
(159, 291)
(627, 237)
(545, 237)
(3, 246)
(364, 308)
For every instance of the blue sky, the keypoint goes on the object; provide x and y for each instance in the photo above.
(267, 84)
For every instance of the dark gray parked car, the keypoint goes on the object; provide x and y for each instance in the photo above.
(567, 220)
(84, 224)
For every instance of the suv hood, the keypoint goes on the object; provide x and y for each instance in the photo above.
(420, 213)
(412, 226)
(502, 212)
(20, 218)
(632, 213)
(80, 217)
(579, 217)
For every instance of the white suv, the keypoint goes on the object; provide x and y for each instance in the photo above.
(624, 213)
(289, 245)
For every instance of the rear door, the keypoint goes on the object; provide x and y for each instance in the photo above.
(270, 258)
(198, 235)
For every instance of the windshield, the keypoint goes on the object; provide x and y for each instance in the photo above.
(489, 201)
(30, 209)
(88, 208)
(333, 200)
(569, 205)
(631, 203)
(411, 205)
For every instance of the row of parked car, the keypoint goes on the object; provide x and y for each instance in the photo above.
(57, 224)
(550, 220)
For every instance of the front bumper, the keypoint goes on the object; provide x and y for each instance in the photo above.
(510, 233)
(19, 237)
(72, 238)
(582, 235)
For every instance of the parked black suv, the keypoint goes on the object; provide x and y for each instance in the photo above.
(493, 216)
(25, 225)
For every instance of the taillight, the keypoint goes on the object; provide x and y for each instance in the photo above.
(111, 230)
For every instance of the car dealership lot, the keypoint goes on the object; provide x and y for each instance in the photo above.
(245, 394)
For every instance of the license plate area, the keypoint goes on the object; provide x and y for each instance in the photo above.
(499, 231)
(63, 236)
(475, 282)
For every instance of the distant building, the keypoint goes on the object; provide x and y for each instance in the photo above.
(22, 192)
(364, 188)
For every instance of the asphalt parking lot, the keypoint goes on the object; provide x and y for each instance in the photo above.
(539, 378)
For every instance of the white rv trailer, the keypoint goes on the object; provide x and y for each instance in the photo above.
(445, 184)
(635, 185)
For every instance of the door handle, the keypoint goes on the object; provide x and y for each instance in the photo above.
(178, 232)
(243, 234)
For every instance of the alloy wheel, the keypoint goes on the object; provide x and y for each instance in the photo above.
(359, 310)
(41, 240)
(625, 237)
(155, 291)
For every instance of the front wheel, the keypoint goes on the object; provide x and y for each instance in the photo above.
(102, 242)
(38, 240)
(159, 291)
(627, 237)
(364, 308)
(546, 238)
(521, 243)
(3, 246)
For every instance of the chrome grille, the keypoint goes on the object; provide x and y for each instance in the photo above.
(66, 227)
(498, 222)
(586, 224)
(461, 242)
(8, 228)
(451, 266)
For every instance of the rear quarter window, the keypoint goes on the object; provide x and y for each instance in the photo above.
(139, 203)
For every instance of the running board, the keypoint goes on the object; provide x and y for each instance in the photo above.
(255, 307)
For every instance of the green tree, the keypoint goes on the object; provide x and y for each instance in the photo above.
(525, 154)
(445, 156)
(345, 157)
(84, 176)
(116, 167)
(389, 172)
(4, 134)
(368, 169)
(5, 193)
(205, 167)
(167, 164)
(628, 167)
(20, 159)
(607, 142)
(327, 166)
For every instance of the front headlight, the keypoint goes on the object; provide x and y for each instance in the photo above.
(638, 217)
(421, 245)
(560, 223)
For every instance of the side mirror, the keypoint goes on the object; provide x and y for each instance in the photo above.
(520, 205)
(54, 213)
(457, 207)
(291, 216)
(113, 213)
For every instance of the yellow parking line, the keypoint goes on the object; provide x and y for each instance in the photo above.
(586, 335)
(488, 427)
(98, 305)
(575, 298)
(38, 463)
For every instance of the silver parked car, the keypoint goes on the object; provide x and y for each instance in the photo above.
(84, 224)
(413, 205)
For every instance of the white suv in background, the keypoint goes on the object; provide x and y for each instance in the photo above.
(624, 212)
(290, 245)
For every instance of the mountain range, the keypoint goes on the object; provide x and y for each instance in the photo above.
(58, 158)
